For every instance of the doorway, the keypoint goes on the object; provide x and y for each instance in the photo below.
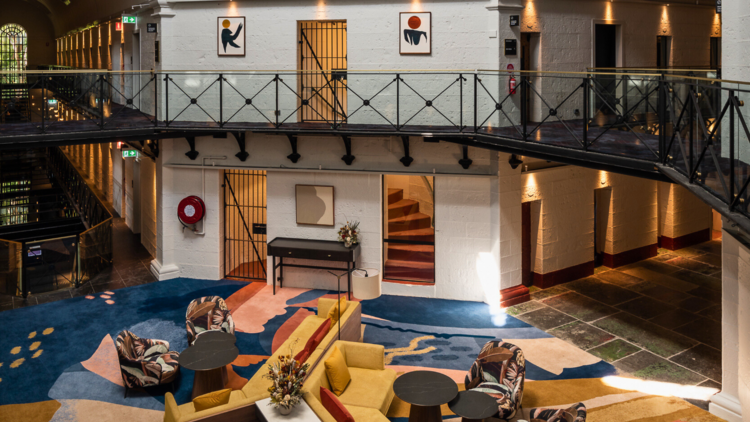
(135, 60)
(606, 50)
(715, 52)
(531, 60)
(602, 216)
(245, 224)
(530, 216)
(323, 60)
(663, 51)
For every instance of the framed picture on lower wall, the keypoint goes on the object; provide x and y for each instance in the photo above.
(230, 36)
(315, 205)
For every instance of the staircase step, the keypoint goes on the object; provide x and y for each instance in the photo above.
(418, 235)
(411, 253)
(417, 271)
(395, 195)
(409, 222)
(402, 208)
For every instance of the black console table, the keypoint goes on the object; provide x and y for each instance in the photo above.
(322, 250)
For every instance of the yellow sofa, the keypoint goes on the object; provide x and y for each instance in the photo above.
(241, 404)
(370, 392)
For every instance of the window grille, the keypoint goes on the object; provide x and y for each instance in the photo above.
(13, 43)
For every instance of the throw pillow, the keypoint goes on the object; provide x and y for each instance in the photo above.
(317, 337)
(334, 406)
(337, 310)
(209, 400)
(302, 356)
(337, 371)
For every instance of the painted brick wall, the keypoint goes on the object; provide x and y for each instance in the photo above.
(148, 205)
(681, 212)
(634, 211)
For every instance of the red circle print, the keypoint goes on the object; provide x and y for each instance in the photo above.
(415, 22)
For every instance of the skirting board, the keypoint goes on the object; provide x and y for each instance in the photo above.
(164, 272)
(629, 257)
(565, 275)
(514, 295)
(684, 241)
(726, 407)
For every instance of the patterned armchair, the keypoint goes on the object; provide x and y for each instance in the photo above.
(575, 413)
(145, 362)
(492, 373)
(208, 313)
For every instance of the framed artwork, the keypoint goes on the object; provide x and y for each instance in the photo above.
(415, 33)
(230, 36)
(314, 205)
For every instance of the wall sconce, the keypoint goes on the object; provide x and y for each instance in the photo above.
(514, 161)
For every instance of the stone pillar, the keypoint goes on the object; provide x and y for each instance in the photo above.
(508, 209)
(106, 171)
(684, 220)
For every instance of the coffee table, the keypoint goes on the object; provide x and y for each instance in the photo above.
(426, 391)
(209, 357)
(300, 413)
(473, 406)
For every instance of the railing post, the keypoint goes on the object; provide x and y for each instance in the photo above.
(586, 113)
(44, 102)
(335, 99)
(524, 105)
(277, 112)
(476, 95)
(156, 99)
(166, 99)
(221, 100)
(398, 101)
(692, 135)
(730, 200)
(101, 101)
(662, 115)
(461, 102)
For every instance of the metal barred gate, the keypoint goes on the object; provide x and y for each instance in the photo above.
(245, 224)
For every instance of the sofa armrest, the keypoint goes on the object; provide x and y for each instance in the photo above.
(324, 305)
(318, 407)
(171, 409)
(363, 355)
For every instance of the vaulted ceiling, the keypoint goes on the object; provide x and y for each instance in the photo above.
(67, 15)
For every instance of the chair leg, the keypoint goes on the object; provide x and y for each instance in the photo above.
(126, 391)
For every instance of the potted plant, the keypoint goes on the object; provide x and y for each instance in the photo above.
(349, 233)
(287, 375)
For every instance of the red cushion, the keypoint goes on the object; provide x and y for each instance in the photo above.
(334, 406)
(317, 337)
(302, 355)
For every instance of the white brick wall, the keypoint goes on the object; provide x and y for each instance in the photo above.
(148, 205)
(681, 212)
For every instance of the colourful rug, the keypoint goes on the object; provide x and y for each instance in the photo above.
(58, 362)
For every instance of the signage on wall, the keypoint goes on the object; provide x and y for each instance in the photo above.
(511, 47)
(718, 6)
(151, 27)
(129, 153)
(118, 26)
(128, 19)
(515, 20)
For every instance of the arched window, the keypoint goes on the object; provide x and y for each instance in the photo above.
(13, 44)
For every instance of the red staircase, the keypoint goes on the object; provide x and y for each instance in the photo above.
(405, 222)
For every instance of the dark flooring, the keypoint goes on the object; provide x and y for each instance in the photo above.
(658, 319)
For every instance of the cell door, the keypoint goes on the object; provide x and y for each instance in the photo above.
(322, 84)
(245, 224)
(663, 51)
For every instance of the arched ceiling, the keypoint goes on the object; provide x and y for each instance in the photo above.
(67, 15)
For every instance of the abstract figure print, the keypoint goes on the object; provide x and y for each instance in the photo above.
(416, 33)
(231, 37)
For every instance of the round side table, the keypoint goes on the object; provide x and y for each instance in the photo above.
(209, 357)
(473, 406)
(426, 391)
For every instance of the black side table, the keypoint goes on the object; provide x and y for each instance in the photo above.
(473, 406)
(209, 357)
(426, 391)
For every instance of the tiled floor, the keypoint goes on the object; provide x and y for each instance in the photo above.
(131, 267)
(658, 319)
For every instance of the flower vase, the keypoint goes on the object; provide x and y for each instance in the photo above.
(348, 243)
(284, 411)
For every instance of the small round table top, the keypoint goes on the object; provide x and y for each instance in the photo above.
(210, 352)
(425, 388)
(473, 405)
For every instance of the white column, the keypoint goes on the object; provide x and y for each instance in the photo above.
(509, 196)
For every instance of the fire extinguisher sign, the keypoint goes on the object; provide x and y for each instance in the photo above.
(511, 79)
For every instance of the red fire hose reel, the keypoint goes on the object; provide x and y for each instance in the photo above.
(191, 210)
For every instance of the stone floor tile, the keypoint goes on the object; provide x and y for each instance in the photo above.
(710, 295)
(694, 304)
(689, 252)
(645, 307)
(579, 306)
(710, 384)
(712, 247)
(662, 279)
(523, 308)
(674, 318)
(582, 335)
(647, 366)
(664, 256)
(99, 288)
(53, 296)
(546, 318)
(705, 330)
(619, 278)
(83, 290)
(665, 294)
(6, 306)
(710, 259)
(692, 265)
(19, 302)
(606, 293)
(545, 293)
(650, 336)
(701, 359)
(701, 280)
(651, 265)
(600, 269)
(107, 276)
(643, 286)
(713, 312)
(614, 350)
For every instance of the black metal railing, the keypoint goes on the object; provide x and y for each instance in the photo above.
(669, 117)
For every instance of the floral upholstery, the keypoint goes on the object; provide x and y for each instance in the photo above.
(575, 413)
(145, 362)
(208, 313)
(500, 378)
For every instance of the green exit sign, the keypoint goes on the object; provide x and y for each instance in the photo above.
(129, 153)
(128, 19)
